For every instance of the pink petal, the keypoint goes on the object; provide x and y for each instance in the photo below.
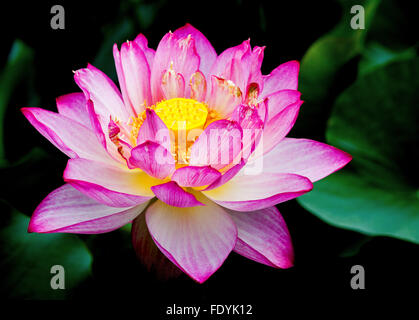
(154, 129)
(223, 65)
(204, 48)
(254, 192)
(198, 86)
(192, 176)
(279, 126)
(263, 237)
(225, 96)
(227, 176)
(114, 178)
(73, 106)
(248, 69)
(102, 91)
(285, 76)
(136, 73)
(149, 254)
(68, 210)
(172, 84)
(279, 100)
(248, 118)
(121, 78)
(308, 158)
(71, 137)
(178, 54)
(107, 197)
(218, 146)
(154, 159)
(241, 65)
(95, 123)
(197, 240)
(142, 42)
(173, 195)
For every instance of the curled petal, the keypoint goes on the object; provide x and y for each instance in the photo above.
(252, 94)
(204, 48)
(223, 65)
(197, 239)
(225, 96)
(173, 195)
(192, 176)
(241, 65)
(172, 84)
(198, 86)
(68, 210)
(263, 237)
(174, 53)
(154, 159)
(246, 70)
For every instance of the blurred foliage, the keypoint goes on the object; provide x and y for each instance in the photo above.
(324, 60)
(18, 69)
(375, 120)
(27, 259)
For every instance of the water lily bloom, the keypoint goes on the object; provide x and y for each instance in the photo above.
(191, 149)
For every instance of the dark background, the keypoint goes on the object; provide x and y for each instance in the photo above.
(324, 254)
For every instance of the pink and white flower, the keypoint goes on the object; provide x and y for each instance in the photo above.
(173, 148)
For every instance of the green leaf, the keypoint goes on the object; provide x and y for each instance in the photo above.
(375, 55)
(27, 258)
(323, 62)
(329, 53)
(375, 120)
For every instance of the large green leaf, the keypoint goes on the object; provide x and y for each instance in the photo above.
(322, 64)
(27, 258)
(376, 120)
(376, 55)
(325, 56)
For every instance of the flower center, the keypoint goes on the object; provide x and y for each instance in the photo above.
(182, 114)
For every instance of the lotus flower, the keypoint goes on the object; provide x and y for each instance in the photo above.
(191, 150)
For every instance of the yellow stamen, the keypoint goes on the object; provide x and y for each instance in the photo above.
(181, 116)
(181, 113)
